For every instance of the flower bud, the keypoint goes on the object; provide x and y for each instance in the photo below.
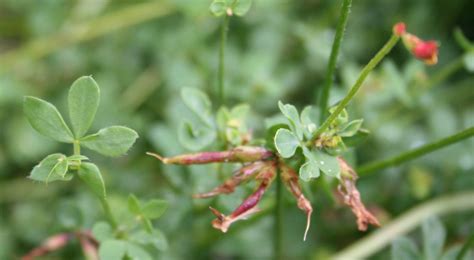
(399, 29)
(427, 51)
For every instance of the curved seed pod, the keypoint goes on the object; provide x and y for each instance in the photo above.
(238, 154)
(351, 195)
(290, 179)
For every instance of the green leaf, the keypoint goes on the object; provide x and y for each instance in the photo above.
(468, 60)
(83, 101)
(195, 138)
(290, 112)
(342, 118)
(360, 137)
(102, 231)
(286, 143)
(199, 103)
(90, 174)
(113, 250)
(156, 239)
(52, 168)
(404, 248)
(46, 119)
(136, 252)
(327, 163)
(308, 171)
(452, 253)
(111, 141)
(434, 235)
(351, 128)
(241, 7)
(154, 208)
(134, 205)
(218, 7)
(309, 117)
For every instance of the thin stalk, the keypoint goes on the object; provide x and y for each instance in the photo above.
(341, 27)
(415, 153)
(278, 237)
(377, 240)
(221, 72)
(363, 75)
(76, 148)
(108, 213)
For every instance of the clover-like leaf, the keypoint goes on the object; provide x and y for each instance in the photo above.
(241, 7)
(83, 101)
(195, 137)
(327, 163)
(290, 112)
(199, 103)
(309, 171)
(342, 118)
(404, 248)
(102, 231)
(135, 251)
(157, 239)
(91, 175)
(218, 7)
(286, 143)
(351, 128)
(111, 141)
(134, 205)
(113, 249)
(309, 118)
(45, 118)
(52, 168)
(154, 208)
(434, 235)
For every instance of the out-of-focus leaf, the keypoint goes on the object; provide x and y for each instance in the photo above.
(102, 231)
(434, 235)
(111, 141)
(83, 101)
(113, 250)
(351, 128)
(154, 208)
(241, 7)
(136, 252)
(327, 163)
(218, 7)
(198, 103)
(360, 137)
(46, 119)
(468, 60)
(134, 205)
(195, 137)
(404, 248)
(157, 239)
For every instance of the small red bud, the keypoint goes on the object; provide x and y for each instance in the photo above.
(426, 51)
(399, 29)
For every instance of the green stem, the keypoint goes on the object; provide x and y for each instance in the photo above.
(377, 240)
(363, 75)
(278, 237)
(415, 153)
(341, 26)
(76, 147)
(221, 72)
(108, 213)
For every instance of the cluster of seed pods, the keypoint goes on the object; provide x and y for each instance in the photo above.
(261, 165)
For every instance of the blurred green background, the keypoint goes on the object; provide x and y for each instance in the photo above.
(142, 53)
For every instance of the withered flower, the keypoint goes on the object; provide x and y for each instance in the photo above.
(260, 165)
(351, 196)
(427, 51)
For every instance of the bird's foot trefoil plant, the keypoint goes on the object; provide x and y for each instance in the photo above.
(298, 143)
(106, 238)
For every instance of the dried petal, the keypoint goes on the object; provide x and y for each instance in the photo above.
(50, 245)
(351, 195)
(237, 154)
(89, 245)
(241, 175)
(249, 205)
(290, 179)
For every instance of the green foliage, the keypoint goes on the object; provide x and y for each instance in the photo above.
(52, 168)
(238, 7)
(83, 100)
(110, 141)
(90, 174)
(46, 119)
(433, 235)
